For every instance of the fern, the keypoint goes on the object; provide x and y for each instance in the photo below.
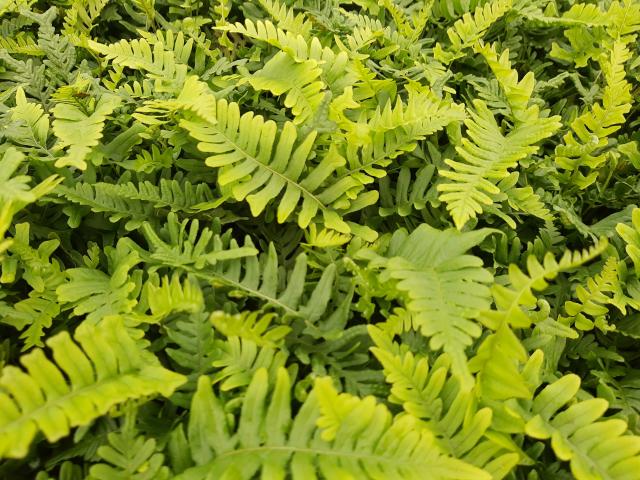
(282, 74)
(81, 141)
(630, 234)
(591, 129)
(601, 290)
(104, 367)
(470, 28)
(246, 144)
(131, 455)
(15, 193)
(98, 294)
(266, 427)
(444, 288)
(137, 202)
(509, 300)
(488, 155)
(286, 18)
(595, 448)
(430, 394)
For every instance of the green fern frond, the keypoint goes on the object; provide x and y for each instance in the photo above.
(238, 359)
(595, 447)
(518, 93)
(286, 18)
(602, 289)
(590, 131)
(171, 295)
(136, 202)
(183, 244)
(80, 17)
(33, 314)
(299, 80)
(354, 437)
(443, 287)
(410, 194)
(257, 163)
(471, 28)
(431, 394)
(15, 191)
(220, 260)
(104, 367)
(129, 455)
(525, 200)
(488, 156)
(251, 326)
(509, 300)
(81, 141)
(98, 294)
(631, 235)
(159, 63)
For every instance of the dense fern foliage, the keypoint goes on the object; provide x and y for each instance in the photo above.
(303, 239)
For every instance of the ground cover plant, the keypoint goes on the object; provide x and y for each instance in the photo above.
(306, 239)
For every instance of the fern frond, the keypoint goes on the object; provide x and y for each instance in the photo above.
(80, 131)
(238, 359)
(286, 18)
(35, 313)
(220, 260)
(98, 294)
(299, 80)
(355, 437)
(509, 300)
(444, 288)
(183, 244)
(595, 447)
(171, 295)
(631, 235)
(104, 367)
(410, 193)
(590, 131)
(80, 17)
(431, 394)
(251, 326)
(518, 93)
(15, 191)
(159, 63)
(471, 28)
(21, 44)
(129, 455)
(257, 163)
(602, 289)
(136, 202)
(488, 156)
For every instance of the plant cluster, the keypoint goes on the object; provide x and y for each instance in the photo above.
(341, 239)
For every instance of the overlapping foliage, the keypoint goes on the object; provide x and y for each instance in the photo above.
(382, 239)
